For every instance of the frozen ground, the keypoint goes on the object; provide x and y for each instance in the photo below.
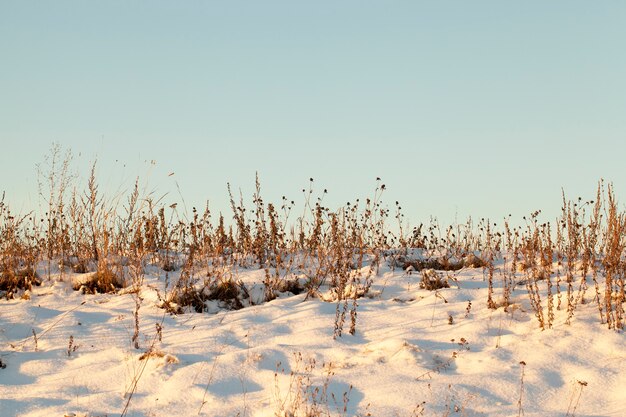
(415, 352)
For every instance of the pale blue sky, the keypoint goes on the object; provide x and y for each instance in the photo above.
(479, 108)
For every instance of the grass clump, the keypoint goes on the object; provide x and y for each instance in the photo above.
(12, 281)
(102, 281)
(432, 281)
(228, 293)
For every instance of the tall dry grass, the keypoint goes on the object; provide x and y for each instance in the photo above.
(577, 258)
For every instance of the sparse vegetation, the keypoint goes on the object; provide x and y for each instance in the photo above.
(104, 248)
(307, 394)
(101, 245)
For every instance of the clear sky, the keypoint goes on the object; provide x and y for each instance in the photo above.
(478, 108)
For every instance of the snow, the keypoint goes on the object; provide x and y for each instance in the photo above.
(413, 350)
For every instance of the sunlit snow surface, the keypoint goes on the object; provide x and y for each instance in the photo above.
(411, 346)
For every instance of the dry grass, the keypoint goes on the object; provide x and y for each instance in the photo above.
(577, 259)
(107, 243)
